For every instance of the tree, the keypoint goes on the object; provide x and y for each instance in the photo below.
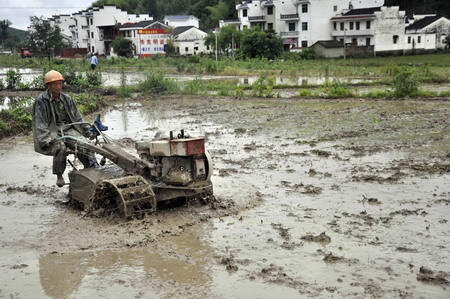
(447, 41)
(123, 47)
(44, 37)
(218, 12)
(256, 43)
(4, 25)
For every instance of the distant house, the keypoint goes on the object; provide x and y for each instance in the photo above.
(329, 48)
(181, 21)
(427, 32)
(190, 40)
(148, 37)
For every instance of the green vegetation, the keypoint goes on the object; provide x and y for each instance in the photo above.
(14, 121)
(405, 83)
(123, 47)
(156, 83)
(44, 38)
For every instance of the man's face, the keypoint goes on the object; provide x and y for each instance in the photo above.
(55, 87)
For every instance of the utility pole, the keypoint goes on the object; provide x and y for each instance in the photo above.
(345, 34)
(215, 30)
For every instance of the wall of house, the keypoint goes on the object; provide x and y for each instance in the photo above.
(191, 42)
(316, 18)
(191, 21)
(389, 22)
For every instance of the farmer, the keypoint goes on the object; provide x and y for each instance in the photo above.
(94, 61)
(53, 111)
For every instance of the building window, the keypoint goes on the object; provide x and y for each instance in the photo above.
(341, 40)
(93, 49)
(244, 13)
(304, 8)
(244, 27)
(409, 39)
(357, 25)
(207, 48)
(304, 26)
(342, 26)
(395, 39)
(270, 26)
(304, 43)
(335, 25)
(367, 41)
(354, 41)
(419, 40)
(195, 48)
(270, 10)
(291, 26)
(92, 21)
(335, 8)
(92, 34)
(367, 24)
(186, 49)
(351, 25)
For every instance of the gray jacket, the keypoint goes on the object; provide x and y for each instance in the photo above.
(45, 129)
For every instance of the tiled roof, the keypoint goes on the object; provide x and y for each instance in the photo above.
(422, 23)
(181, 29)
(362, 11)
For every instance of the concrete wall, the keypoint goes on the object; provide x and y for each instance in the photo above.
(328, 52)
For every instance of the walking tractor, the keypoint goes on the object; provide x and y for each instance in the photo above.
(177, 167)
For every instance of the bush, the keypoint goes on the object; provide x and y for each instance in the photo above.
(13, 78)
(14, 121)
(336, 89)
(88, 102)
(263, 86)
(156, 83)
(2, 86)
(405, 83)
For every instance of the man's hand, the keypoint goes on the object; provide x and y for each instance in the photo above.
(90, 135)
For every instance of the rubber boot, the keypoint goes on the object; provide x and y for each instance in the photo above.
(60, 180)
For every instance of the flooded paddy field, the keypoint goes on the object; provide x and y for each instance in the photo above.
(314, 198)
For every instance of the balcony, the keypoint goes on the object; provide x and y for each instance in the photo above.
(290, 17)
(341, 33)
(288, 34)
(256, 19)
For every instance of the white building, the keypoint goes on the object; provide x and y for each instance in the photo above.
(180, 21)
(386, 29)
(190, 40)
(148, 37)
(380, 27)
(300, 22)
(95, 28)
(427, 32)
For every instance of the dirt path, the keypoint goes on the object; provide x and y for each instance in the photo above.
(317, 198)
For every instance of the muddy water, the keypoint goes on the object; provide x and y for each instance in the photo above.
(323, 198)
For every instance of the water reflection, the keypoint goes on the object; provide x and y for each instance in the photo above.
(127, 272)
(297, 81)
(15, 102)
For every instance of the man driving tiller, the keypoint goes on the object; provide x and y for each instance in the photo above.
(56, 115)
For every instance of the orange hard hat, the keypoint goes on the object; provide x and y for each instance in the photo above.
(53, 76)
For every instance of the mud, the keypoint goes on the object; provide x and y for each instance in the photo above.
(313, 198)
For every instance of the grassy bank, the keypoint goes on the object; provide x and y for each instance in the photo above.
(431, 67)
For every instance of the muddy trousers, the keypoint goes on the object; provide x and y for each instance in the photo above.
(59, 151)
